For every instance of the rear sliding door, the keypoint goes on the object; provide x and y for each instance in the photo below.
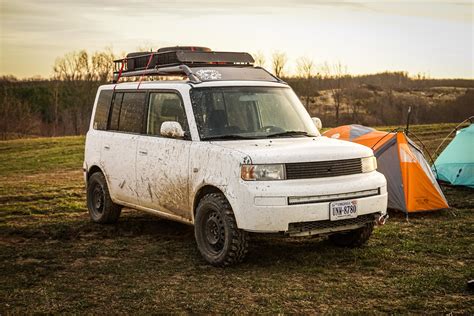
(119, 145)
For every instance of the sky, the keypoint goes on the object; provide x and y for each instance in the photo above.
(435, 38)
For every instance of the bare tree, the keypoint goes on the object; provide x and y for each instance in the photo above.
(78, 73)
(306, 69)
(56, 107)
(102, 65)
(259, 58)
(336, 74)
(357, 98)
(72, 66)
(279, 60)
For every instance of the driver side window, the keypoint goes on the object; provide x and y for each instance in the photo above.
(162, 107)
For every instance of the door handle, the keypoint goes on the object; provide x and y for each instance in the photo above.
(143, 152)
(107, 147)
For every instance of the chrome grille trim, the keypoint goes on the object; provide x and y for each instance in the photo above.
(297, 200)
(327, 226)
(323, 169)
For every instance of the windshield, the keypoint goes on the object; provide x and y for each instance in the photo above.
(250, 112)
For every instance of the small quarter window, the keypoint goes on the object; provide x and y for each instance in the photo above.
(115, 112)
(102, 110)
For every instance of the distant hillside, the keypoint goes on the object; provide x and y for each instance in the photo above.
(384, 99)
(365, 106)
(63, 107)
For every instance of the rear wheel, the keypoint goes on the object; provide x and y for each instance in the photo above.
(354, 238)
(101, 207)
(219, 240)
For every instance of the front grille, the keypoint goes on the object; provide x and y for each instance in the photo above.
(327, 225)
(323, 169)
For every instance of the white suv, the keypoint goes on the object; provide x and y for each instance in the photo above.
(230, 150)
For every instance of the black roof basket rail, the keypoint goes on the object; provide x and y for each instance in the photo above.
(179, 70)
(177, 61)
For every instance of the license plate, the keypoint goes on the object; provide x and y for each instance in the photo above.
(342, 210)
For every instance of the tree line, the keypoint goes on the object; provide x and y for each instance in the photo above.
(62, 104)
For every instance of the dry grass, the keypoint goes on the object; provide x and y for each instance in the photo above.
(54, 260)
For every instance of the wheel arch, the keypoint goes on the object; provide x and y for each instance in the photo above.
(93, 169)
(203, 191)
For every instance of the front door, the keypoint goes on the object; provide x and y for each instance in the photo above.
(163, 163)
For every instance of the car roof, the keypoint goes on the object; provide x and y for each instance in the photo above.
(170, 84)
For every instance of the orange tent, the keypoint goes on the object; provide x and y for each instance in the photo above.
(411, 185)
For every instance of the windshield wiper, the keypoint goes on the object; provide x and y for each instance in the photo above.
(230, 137)
(290, 133)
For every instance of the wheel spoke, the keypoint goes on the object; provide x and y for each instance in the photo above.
(214, 232)
(98, 199)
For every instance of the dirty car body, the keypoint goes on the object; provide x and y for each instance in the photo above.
(252, 142)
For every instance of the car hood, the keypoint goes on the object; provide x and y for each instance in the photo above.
(292, 149)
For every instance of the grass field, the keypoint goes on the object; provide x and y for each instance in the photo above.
(53, 259)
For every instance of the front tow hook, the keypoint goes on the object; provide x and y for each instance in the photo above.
(381, 219)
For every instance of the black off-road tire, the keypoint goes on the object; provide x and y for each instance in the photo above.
(219, 240)
(353, 238)
(101, 207)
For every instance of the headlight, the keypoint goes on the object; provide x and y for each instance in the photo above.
(262, 172)
(369, 164)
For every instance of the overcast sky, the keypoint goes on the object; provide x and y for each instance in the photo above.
(431, 37)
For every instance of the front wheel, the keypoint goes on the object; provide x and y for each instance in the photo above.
(354, 238)
(219, 240)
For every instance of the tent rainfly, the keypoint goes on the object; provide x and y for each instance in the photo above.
(455, 164)
(411, 185)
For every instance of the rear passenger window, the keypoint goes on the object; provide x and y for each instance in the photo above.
(102, 110)
(128, 112)
(165, 106)
(132, 112)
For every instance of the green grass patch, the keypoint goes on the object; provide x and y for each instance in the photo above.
(53, 259)
(24, 156)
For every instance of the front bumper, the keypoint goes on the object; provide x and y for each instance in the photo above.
(264, 206)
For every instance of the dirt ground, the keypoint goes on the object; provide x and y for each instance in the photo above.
(53, 259)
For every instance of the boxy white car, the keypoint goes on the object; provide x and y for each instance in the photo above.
(231, 150)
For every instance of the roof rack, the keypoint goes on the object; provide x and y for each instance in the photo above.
(179, 61)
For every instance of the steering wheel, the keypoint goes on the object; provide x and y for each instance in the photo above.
(271, 129)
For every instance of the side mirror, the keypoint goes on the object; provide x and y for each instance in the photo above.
(171, 129)
(317, 122)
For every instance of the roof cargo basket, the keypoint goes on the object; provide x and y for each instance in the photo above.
(179, 60)
(191, 48)
(139, 60)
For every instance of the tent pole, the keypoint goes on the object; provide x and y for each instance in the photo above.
(408, 120)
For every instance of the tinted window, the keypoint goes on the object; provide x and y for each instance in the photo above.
(102, 110)
(132, 112)
(115, 112)
(165, 106)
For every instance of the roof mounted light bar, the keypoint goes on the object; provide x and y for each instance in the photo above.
(175, 61)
